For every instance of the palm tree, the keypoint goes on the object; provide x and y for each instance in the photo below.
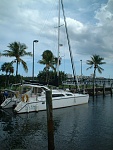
(48, 61)
(7, 67)
(17, 50)
(95, 63)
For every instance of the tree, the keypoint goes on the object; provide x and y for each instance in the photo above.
(7, 67)
(52, 77)
(17, 50)
(95, 63)
(48, 61)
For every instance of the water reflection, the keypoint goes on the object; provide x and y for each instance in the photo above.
(20, 131)
(84, 127)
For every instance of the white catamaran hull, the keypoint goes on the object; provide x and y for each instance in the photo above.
(10, 102)
(59, 102)
(12, 96)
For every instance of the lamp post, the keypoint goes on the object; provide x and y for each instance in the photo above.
(81, 68)
(35, 41)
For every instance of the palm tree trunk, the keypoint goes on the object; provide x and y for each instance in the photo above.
(17, 68)
(6, 80)
(47, 76)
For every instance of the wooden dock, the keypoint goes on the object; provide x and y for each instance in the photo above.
(97, 91)
(100, 91)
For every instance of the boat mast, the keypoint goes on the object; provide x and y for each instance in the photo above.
(71, 56)
(58, 40)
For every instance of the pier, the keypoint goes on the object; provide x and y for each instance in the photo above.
(102, 85)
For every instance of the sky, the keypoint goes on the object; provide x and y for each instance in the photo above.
(89, 24)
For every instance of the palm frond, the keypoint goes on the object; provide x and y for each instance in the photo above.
(24, 64)
(43, 62)
(89, 67)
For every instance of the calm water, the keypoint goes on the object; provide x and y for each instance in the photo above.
(84, 127)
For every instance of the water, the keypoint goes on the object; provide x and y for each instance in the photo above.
(83, 127)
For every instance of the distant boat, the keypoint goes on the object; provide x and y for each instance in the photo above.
(35, 99)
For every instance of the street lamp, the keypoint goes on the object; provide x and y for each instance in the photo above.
(35, 41)
(81, 68)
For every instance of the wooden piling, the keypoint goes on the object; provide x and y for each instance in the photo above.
(111, 91)
(104, 89)
(93, 89)
(50, 120)
(96, 90)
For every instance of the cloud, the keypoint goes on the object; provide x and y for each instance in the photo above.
(90, 27)
(89, 39)
(104, 27)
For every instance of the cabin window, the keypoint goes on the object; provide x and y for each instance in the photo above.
(26, 89)
(69, 94)
(57, 95)
(37, 90)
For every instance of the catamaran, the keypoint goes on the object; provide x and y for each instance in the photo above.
(35, 99)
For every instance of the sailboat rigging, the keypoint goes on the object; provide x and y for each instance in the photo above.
(58, 40)
(67, 35)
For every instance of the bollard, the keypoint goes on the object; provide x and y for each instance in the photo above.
(50, 120)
